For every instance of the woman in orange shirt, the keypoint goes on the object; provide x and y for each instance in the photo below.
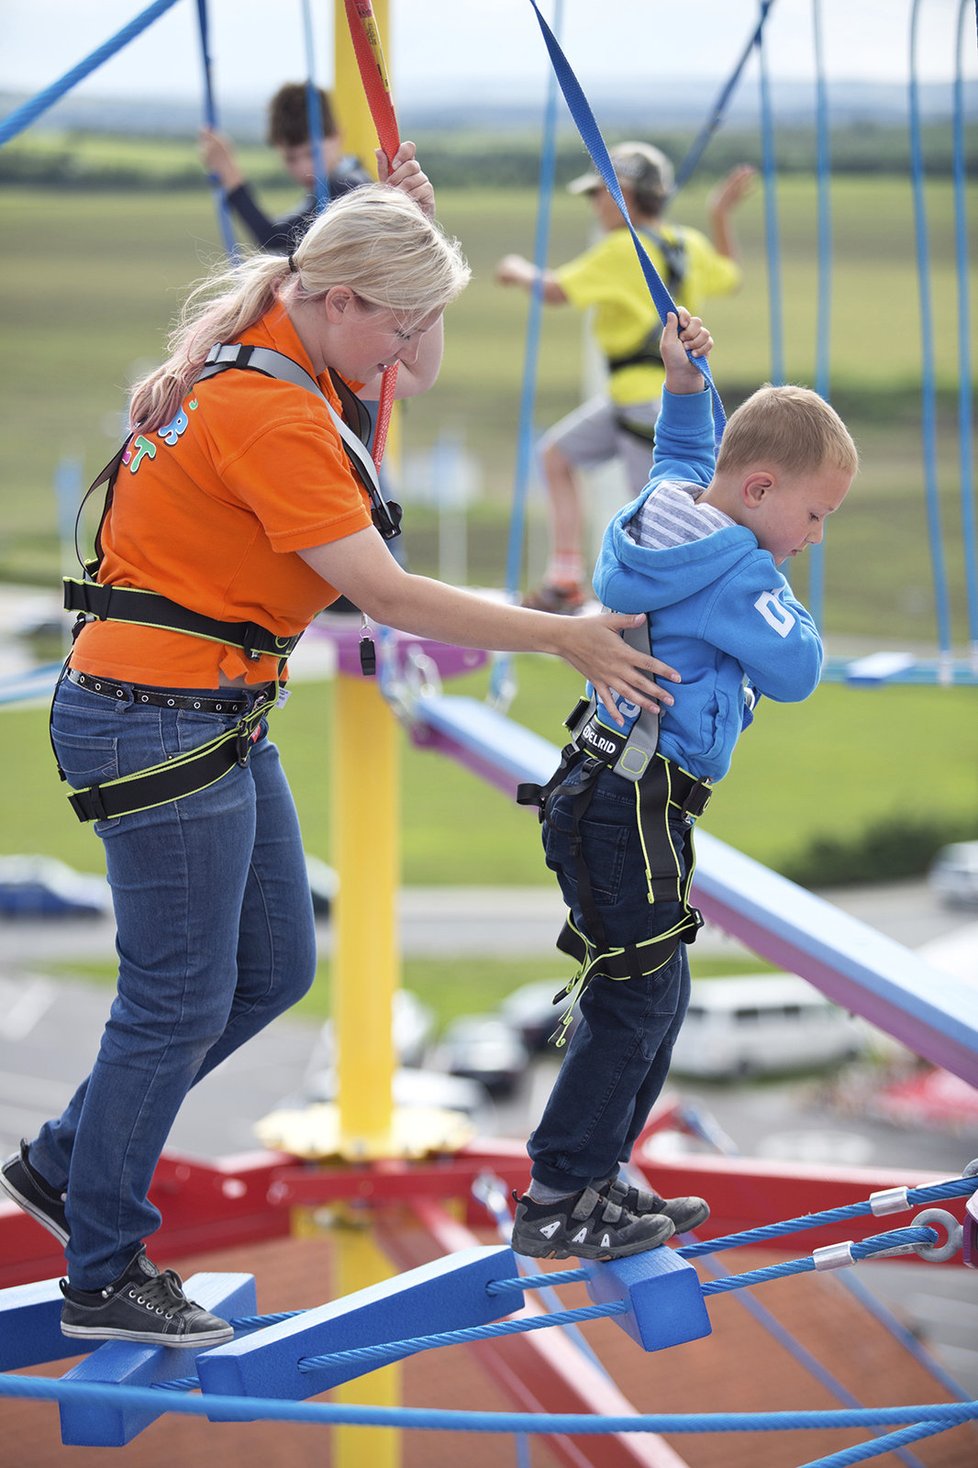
(235, 516)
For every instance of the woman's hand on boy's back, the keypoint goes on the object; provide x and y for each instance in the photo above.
(679, 341)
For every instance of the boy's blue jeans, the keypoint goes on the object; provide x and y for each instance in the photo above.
(215, 937)
(618, 1057)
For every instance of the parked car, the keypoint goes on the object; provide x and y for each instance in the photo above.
(482, 1047)
(43, 887)
(532, 1013)
(752, 1024)
(954, 874)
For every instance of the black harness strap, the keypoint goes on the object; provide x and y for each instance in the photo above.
(183, 775)
(150, 609)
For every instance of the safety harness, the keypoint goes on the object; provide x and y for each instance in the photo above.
(661, 788)
(188, 773)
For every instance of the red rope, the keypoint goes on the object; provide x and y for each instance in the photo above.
(365, 35)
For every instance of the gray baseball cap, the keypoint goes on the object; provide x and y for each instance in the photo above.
(640, 165)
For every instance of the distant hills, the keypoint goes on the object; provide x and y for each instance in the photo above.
(627, 104)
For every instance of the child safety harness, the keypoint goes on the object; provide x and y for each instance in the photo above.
(661, 788)
(91, 599)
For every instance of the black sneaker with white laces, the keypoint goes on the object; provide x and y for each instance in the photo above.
(144, 1304)
(30, 1192)
(685, 1213)
(587, 1226)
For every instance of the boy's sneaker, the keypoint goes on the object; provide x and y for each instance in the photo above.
(144, 1304)
(685, 1213)
(30, 1192)
(563, 599)
(586, 1225)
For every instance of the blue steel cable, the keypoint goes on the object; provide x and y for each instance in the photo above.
(222, 1408)
(393, 1350)
(15, 122)
(314, 113)
(210, 118)
(893, 1441)
(823, 173)
(501, 674)
(964, 337)
(771, 230)
(580, 110)
(700, 142)
(928, 381)
(801, 1354)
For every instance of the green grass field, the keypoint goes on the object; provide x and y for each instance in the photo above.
(845, 759)
(89, 282)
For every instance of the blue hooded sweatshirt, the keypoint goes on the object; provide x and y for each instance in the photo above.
(719, 610)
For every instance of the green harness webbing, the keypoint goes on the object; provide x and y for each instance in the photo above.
(662, 789)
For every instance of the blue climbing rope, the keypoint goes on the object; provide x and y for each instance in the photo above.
(699, 144)
(584, 119)
(501, 681)
(928, 379)
(964, 336)
(823, 174)
(772, 234)
(221, 1408)
(314, 114)
(15, 122)
(210, 118)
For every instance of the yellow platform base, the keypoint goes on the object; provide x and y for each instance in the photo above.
(314, 1132)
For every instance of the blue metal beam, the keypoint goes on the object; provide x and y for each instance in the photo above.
(934, 1014)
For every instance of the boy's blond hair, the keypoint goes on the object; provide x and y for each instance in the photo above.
(790, 426)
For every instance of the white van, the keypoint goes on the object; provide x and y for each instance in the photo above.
(755, 1023)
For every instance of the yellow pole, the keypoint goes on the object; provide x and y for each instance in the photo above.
(365, 764)
(366, 955)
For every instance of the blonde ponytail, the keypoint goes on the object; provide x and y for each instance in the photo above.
(374, 239)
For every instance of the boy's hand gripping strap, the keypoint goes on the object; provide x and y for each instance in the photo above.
(580, 111)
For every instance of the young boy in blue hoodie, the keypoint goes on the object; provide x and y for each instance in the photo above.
(698, 552)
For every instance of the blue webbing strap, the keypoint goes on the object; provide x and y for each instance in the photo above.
(580, 111)
(210, 118)
(314, 112)
(700, 142)
(15, 122)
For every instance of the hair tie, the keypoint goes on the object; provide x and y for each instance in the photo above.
(293, 267)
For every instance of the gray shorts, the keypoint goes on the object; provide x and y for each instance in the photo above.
(593, 434)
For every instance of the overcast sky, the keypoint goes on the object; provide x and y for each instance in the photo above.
(257, 43)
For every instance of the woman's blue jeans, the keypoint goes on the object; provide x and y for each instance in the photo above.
(215, 937)
(618, 1057)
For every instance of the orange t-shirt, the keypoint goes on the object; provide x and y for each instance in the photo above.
(211, 509)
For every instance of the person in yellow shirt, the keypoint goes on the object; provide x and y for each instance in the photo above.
(620, 422)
